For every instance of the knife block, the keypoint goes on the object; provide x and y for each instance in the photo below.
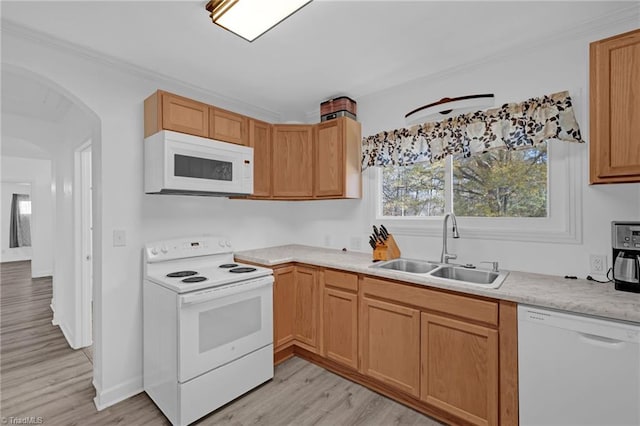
(387, 251)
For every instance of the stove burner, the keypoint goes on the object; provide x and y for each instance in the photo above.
(194, 279)
(242, 269)
(228, 265)
(181, 274)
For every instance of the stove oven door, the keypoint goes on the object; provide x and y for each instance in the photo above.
(219, 325)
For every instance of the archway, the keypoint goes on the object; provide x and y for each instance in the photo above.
(72, 307)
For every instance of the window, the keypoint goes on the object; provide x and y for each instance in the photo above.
(24, 207)
(541, 204)
(498, 183)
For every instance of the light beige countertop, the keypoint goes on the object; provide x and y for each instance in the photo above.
(579, 296)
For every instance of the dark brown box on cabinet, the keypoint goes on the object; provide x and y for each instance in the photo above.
(344, 105)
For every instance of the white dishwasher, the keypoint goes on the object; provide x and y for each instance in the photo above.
(577, 370)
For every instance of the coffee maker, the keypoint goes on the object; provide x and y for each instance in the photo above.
(625, 238)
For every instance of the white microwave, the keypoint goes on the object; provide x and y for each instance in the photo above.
(181, 164)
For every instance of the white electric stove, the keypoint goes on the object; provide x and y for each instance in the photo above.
(208, 326)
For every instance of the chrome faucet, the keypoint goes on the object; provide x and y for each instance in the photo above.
(444, 258)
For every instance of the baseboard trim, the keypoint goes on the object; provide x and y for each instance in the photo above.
(54, 320)
(67, 335)
(115, 394)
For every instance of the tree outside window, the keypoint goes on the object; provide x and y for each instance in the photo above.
(498, 183)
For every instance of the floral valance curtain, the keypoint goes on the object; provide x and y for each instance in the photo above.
(511, 126)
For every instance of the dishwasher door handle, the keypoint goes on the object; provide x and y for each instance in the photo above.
(600, 340)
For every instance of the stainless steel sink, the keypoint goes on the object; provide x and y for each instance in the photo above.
(445, 273)
(407, 265)
(462, 274)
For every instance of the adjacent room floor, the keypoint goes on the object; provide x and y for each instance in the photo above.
(42, 377)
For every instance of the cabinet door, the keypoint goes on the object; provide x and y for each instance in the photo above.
(284, 303)
(341, 327)
(184, 115)
(614, 109)
(329, 142)
(260, 141)
(306, 308)
(459, 369)
(390, 336)
(228, 126)
(292, 161)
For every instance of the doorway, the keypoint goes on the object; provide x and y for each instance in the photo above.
(16, 221)
(84, 241)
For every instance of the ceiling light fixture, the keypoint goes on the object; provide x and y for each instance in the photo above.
(251, 18)
(447, 107)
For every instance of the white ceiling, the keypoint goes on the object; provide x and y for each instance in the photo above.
(328, 48)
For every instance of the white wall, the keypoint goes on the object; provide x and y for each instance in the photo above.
(12, 254)
(37, 172)
(518, 75)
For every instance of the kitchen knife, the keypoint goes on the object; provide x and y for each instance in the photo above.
(376, 233)
(372, 243)
(385, 232)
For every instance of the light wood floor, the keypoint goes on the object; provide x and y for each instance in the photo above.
(41, 376)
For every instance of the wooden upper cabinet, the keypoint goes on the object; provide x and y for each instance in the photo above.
(338, 159)
(166, 111)
(284, 302)
(307, 303)
(615, 109)
(260, 141)
(292, 161)
(390, 350)
(228, 126)
(459, 369)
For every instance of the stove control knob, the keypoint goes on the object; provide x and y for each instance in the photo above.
(164, 250)
(154, 251)
(227, 243)
(221, 243)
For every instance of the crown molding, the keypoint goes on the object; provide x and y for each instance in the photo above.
(20, 31)
(610, 21)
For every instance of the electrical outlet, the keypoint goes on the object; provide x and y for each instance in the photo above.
(598, 263)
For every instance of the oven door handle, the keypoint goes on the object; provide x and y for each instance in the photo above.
(224, 291)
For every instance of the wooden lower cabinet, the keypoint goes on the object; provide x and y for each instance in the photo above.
(284, 296)
(340, 319)
(459, 369)
(390, 336)
(307, 303)
(445, 354)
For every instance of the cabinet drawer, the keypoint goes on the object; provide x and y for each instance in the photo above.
(343, 280)
(484, 311)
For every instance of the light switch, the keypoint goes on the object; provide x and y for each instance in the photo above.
(119, 238)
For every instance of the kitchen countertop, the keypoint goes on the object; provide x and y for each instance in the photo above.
(578, 296)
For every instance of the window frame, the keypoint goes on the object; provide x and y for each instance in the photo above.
(563, 223)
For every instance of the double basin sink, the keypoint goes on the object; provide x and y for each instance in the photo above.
(445, 272)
